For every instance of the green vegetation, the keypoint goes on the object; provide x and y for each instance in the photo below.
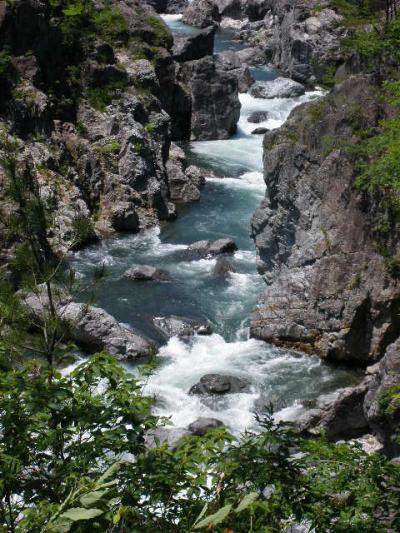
(113, 148)
(101, 97)
(67, 452)
(389, 401)
(162, 36)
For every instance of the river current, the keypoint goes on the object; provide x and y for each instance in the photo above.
(291, 381)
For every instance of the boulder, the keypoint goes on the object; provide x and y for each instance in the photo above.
(202, 425)
(346, 419)
(219, 384)
(278, 88)
(146, 273)
(184, 183)
(382, 401)
(95, 330)
(171, 326)
(229, 61)
(259, 131)
(191, 47)
(215, 105)
(211, 248)
(124, 217)
(258, 116)
(252, 56)
(201, 13)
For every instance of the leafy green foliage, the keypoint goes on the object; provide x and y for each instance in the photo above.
(74, 458)
(60, 433)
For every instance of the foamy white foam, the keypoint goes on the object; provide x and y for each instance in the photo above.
(171, 18)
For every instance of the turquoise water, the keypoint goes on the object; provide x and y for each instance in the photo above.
(290, 380)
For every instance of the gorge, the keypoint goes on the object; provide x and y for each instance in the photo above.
(199, 259)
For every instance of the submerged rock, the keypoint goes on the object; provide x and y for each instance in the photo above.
(172, 326)
(259, 131)
(258, 116)
(211, 248)
(202, 425)
(219, 384)
(278, 88)
(146, 273)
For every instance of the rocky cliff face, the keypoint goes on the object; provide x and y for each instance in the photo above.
(328, 290)
(88, 93)
(299, 38)
(87, 109)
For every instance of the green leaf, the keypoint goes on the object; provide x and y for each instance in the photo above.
(79, 513)
(203, 512)
(61, 525)
(247, 500)
(89, 499)
(215, 518)
(109, 472)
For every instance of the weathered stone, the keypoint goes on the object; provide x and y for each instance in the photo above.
(201, 13)
(192, 47)
(184, 184)
(278, 88)
(258, 116)
(219, 384)
(328, 290)
(124, 218)
(259, 131)
(382, 402)
(205, 248)
(229, 61)
(202, 425)
(95, 330)
(171, 326)
(146, 273)
(215, 105)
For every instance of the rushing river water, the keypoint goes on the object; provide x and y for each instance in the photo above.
(290, 380)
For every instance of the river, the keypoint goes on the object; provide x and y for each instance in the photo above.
(291, 381)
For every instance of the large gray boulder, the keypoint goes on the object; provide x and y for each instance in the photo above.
(95, 330)
(278, 88)
(229, 61)
(211, 248)
(214, 93)
(171, 326)
(219, 384)
(258, 116)
(146, 273)
(202, 425)
(184, 182)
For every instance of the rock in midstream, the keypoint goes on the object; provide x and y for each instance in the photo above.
(171, 326)
(146, 273)
(219, 384)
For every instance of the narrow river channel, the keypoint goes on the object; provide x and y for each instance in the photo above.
(291, 381)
